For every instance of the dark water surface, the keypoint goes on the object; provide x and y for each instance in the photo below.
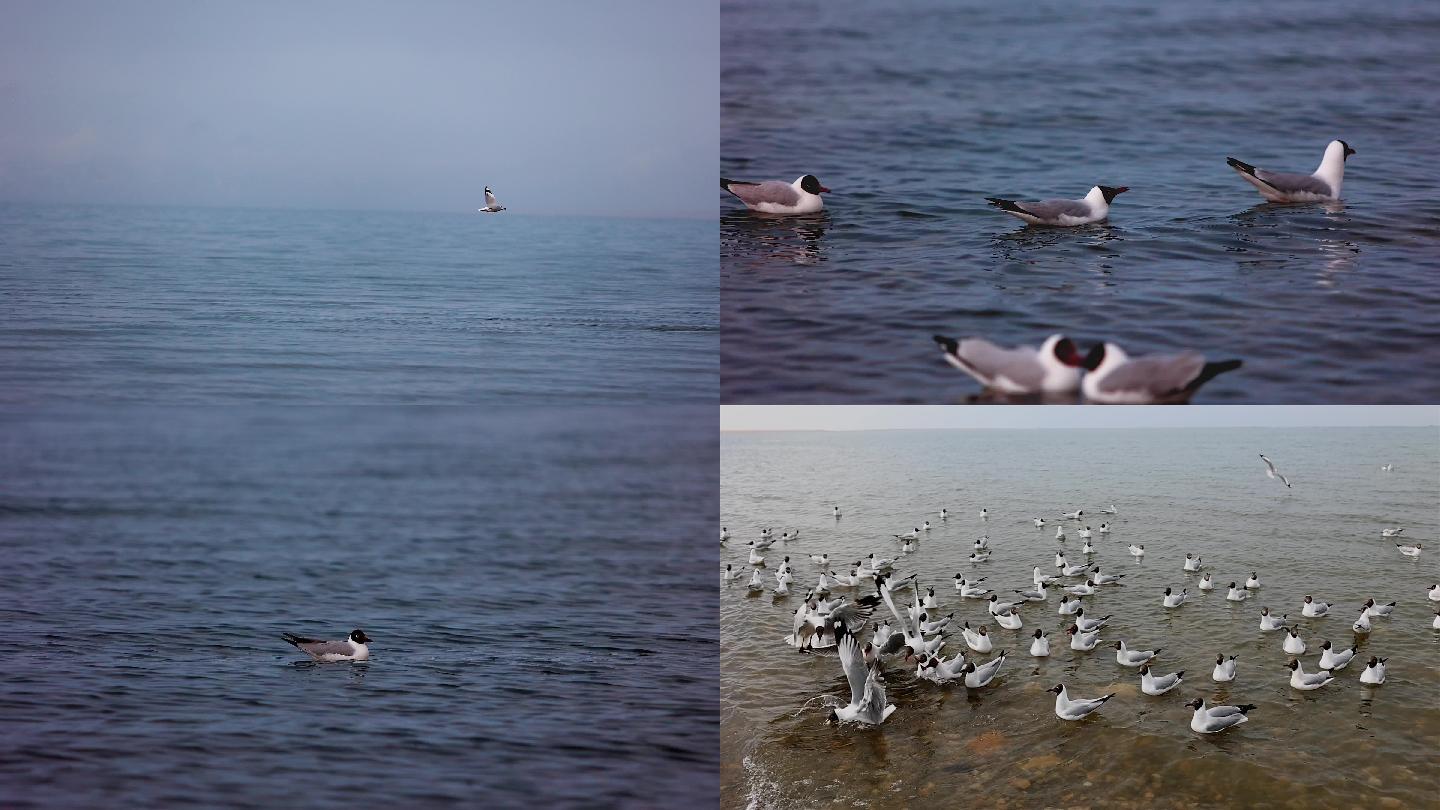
(542, 612)
(914, 114)
(191, 305)
(1178, 491)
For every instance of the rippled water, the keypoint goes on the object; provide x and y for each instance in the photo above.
(228, 305)
(542, 632)
(1178, 492)
(913, 115)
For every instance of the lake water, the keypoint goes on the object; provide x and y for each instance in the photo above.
(1178, 492)
(542, 612)
(914, 114)
(186, 305)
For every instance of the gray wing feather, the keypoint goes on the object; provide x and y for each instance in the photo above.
(992, 361)
(1054, 209)
(1155, 375)
(1292, 183)
(318, 648)
(873, 706)
(771, 191)
(1224, 711)
(490, 201)
(853, 666)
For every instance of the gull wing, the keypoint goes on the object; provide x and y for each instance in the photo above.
(1157, 375)
(775, 192)
(854, 667)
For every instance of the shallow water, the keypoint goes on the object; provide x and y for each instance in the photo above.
(1178, 492)
(542, 632)
(914, 115)
(189, 305)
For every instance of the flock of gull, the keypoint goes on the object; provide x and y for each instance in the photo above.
(1054, 370)
(914, 630)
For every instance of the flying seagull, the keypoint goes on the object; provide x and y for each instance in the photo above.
(492, 205)
(1272, 472)
(1282, 187)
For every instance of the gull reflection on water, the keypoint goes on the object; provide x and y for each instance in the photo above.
(766, 238)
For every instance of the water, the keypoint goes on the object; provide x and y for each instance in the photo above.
(185, 305)
(915, 114)
(540, 608)
(1178, 492)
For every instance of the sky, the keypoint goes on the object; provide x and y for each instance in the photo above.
(562, 107)
(912, 417)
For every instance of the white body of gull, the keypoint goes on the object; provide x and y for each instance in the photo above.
(1075, 570)
(837, 511)
(1362, 625)
(1237, 594)
(944, 514)
(1059, 532)
(996, 606)
(1253, 581)
(1216, 718)
(755, 558)
(778, 196)
(1192, 563)
(1314, 608)
(1036, 595)
(1268, 621)
(867, 691)
(755, 583)
(930, 628)
(729, 574)
(1206, 583)
(1152, 684)
(1009, 621)
(1224, 669)
(1390, 532)
(492, 205)
(1379, 611)
(1434, 593)
(1111, 511)
(1137, 551)
(1387, 468)
(929, 602)
(1093, 207)
(356, 647)
(1073, 515)
(1294, 645)
(724, 534)
(1105, 579)
(1059, 559)
(1272, 472)
(1084, 642)
(1104, 528)
(1076, 709)
(911, 535)
(1068, 606)
(1089, 625)
(1115, 378)
(1305, 682)
(977, 640)
(1087, 548)
(1283, 187)
(1127, 657)
(1086, 534)
(1374, 671)
(1409, 551)
(820, 559)
(1176, 599)
(1039, 523)
(982, 675)
(984, 514)
(1086, 588)
(1333, 659)
(1040, 647)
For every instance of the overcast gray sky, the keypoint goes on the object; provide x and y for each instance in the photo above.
(607, 108)
(902, 417)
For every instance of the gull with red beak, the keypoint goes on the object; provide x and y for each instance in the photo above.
(1093, 207)
(1115, 378)
(1052, 369)
(778, 196)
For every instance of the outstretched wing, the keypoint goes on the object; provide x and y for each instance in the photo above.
(854, 667)
(890, 603)
(490, 201)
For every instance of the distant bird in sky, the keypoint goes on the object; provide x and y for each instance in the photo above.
(492, 205)
(1273, 472)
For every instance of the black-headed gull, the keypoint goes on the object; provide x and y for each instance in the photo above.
(1374, 671)
(1378, 610)
(1294, 645)
(492, 205)
(1068, 606)
(1074, 709)
(755, 583)
(778, 196)
(1217, 718)
(1390, 532)
(729, 574)
(1192, 563)
(1104, 528)
(1111, 511)
(1237, 594)
(1333, 659)
(982, 675)
(867, 690)
(977, 640)
(1127, 657)
(724, 534)
(1362, 625)
(1224, 669)
(356, 647)
(1434, 593)
(1410, 551)
(1206, 583)
(1089, 625)
(1307, 681)
(1152, 684)
(1253, 582)
(837, 511)
(1272, 472)
(1174, 600)
(1084, 642)
(1093, 207)
(1313, 608)
(1137, 551)
(1115, 378)
(1073, 515)
(1323, 184)
(1040, 647)
(1268, 621)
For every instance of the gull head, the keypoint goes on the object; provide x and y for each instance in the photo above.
(358, 636)
(1063, 349)
(1111, 192)
(810, 184)
(1195, 704)
(1057, 688)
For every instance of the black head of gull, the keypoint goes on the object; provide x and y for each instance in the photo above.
(811, 185)
(1348, 150)
(1111, 192)
(358, 636)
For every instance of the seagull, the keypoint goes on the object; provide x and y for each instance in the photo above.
(976, 677)
(1224, 669)
(1436, 622)
(778, 196)
(1294, 645)
(1207, 584)
(1334, 660)
(925, 526)
(1106, 579)
(1305, 682)
(1159, 684)
(938, 670)
(492, 205)
(1192, 563)
(1253, 582)
(1390, 532)
(1087, 548)
(1237, 594)
(1314, 609)
(971, 589)
(755, 558)
(944, 514)
(1104, 528)
(837, 511)
(1410, 551)
(1282, 187)
(1076, 570)
(1137, 551)
(1133, 658)
(984, 514)
(1116, 379)
(911, 535)
(929, 602)
(1039, 523)
(1059, 532)
(1060, 559)
(1434, 593)
(822, 560)
(1362, 624)
(1175, 600)
(1067, 709)
(996, 606)
(1374, 671)
(1272, 472)
(1269, 622)
(1089, 625)
(1068, 606)
(755, 584)
(1086, 534)
(979, 556)
(1093, 207)
(1387, 468)
(1086, 588)
(1040, 647)
(354, 648)
(1373, 609)
(1037, 595)
(724, 534)
(1073, 515)
(1084, 642)
(1009, 621)
(729, 574)
(977, 640)
(1217, 718)
(1111, 511)
(867, 689)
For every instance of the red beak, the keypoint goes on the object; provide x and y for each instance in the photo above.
(823, 190)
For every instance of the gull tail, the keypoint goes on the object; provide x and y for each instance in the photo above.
(296, 640)
(726, 184)
(1006, 205)
(1241, 166)
(950, 345)
(1211, 371)
(1246, 708)
(1107, 697)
